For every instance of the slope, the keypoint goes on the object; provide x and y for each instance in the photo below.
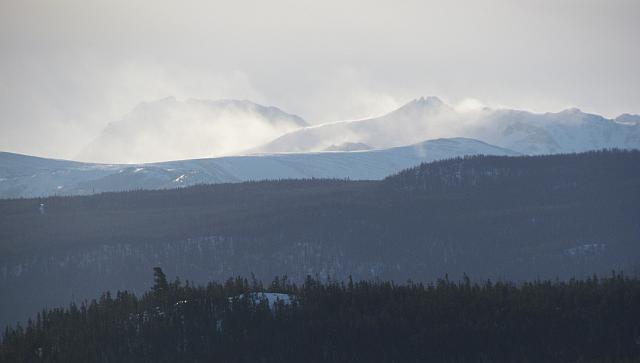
(492, 217)
(23, 176)
(426, 118)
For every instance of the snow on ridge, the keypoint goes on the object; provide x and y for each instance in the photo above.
(376, 164)
(271, 298)
(569, 130)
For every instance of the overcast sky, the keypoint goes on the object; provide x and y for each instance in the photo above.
(67, 68)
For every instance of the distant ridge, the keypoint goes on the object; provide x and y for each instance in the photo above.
(24, 176)
(570, 130)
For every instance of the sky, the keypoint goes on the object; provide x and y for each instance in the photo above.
(69, 67)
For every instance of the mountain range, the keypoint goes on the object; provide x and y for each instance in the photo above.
(238, 140)
(525, 132)
(27, 176)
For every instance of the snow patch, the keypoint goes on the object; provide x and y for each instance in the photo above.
(271, 298)
(586, 249)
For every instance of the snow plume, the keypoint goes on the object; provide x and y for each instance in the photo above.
(469, 105)
(343, 93)
(169, 129)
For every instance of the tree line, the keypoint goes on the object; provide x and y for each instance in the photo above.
(585, 320)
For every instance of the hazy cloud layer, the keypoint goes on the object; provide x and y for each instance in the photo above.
(170, 129)
(70, 67)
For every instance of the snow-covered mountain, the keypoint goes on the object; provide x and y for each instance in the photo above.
(570, 130)
(627, 118)
(27, 176)
(404, 126)
(169, 129)
(426, 118)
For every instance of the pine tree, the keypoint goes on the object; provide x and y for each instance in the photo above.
(160, 283)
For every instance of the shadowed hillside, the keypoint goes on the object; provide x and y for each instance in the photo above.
(594, 320)
(513, 218)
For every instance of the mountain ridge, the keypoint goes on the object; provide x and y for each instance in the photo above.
(34, 177)
(569, 130)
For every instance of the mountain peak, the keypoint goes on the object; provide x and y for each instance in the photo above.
(571, 111)
(420, 105)
(627, 118)
(429, 101)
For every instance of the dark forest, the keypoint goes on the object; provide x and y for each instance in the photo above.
(591, 320)
(510, 220)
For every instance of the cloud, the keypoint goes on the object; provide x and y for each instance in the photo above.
(344, 93)
(51, 111)
(70, 67)
(170, 129)
(469, 105)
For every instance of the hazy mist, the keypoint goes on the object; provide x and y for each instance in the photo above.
(69, 68)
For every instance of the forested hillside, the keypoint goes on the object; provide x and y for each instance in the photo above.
(593, 320)
(507, 218)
